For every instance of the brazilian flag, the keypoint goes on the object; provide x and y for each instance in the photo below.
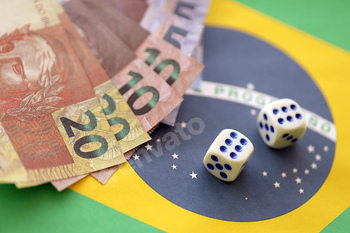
(254, 52)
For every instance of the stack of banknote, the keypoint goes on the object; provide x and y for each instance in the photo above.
(83, 83)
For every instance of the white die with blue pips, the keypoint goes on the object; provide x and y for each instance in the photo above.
(281, 123)
(227, 155)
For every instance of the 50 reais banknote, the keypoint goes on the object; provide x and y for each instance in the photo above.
(52, 123)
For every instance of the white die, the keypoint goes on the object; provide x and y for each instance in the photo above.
(281, 123)
(227, 155)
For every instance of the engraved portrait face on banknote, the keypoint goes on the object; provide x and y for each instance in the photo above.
(30, 74)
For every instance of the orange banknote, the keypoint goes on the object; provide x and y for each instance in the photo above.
(52, 123)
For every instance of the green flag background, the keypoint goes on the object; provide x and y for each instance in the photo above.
(43, 209)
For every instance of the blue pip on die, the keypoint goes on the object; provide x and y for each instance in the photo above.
(227, 155)
(281, 123)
